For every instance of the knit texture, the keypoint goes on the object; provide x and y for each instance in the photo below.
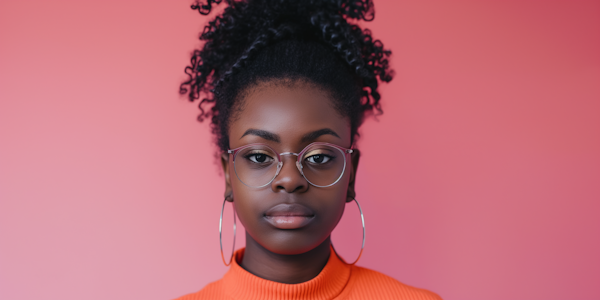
(337, 280)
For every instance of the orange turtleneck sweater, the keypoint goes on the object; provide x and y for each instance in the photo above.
(337, 280)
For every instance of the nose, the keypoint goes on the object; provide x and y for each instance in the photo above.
(289, 178)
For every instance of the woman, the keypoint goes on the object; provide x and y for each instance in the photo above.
(290, 83)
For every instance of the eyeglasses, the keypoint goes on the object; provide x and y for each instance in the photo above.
(321, 164)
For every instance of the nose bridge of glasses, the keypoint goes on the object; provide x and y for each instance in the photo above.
(298, 165)
(289, 153)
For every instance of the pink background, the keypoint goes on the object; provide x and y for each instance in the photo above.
(480, 181)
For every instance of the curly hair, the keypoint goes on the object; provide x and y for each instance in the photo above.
(311, 40)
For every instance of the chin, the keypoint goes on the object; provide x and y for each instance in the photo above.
(286, 243)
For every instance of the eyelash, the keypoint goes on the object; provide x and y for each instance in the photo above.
(247, 156)
(329, 157)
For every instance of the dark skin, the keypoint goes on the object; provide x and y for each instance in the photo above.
(287, 116)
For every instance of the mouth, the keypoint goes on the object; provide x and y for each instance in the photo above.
(289, 216)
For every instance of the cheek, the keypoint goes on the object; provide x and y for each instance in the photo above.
(246, 206)
(332, 203)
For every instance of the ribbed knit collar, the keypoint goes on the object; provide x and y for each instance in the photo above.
(241, 284)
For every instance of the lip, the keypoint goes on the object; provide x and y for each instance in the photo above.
(289, 216)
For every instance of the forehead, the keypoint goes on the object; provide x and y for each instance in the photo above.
(288, 109)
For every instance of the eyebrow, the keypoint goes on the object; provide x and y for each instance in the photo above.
(275, 138)
(311, 136)
(263, 134)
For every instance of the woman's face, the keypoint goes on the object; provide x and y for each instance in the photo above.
(289, 215)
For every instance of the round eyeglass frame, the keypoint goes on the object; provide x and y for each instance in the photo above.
(298, 163)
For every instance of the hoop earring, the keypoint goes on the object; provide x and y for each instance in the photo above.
(221, 234)
(362, 219)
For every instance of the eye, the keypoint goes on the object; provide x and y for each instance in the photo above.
(318, 159)
(259, 158)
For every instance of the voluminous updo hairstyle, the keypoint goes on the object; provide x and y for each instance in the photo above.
(311, 40)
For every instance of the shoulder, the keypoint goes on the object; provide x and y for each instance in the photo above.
(211, 291)
(372, 284)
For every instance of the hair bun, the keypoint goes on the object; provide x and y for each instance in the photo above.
(357, 9)
(245, 28)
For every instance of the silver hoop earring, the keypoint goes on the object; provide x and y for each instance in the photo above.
(221, 234)
(362, 219)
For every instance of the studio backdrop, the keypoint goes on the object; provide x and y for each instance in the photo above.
(481, 179)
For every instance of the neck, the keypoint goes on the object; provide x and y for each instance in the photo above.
(284, 268)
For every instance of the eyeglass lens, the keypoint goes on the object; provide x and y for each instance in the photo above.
(322, 165)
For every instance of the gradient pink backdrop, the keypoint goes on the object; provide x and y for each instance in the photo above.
(480, 181)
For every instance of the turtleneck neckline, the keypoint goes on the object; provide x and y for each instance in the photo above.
(331, 281)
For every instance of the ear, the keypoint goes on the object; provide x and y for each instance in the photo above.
(354, 158)
(226, 169)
